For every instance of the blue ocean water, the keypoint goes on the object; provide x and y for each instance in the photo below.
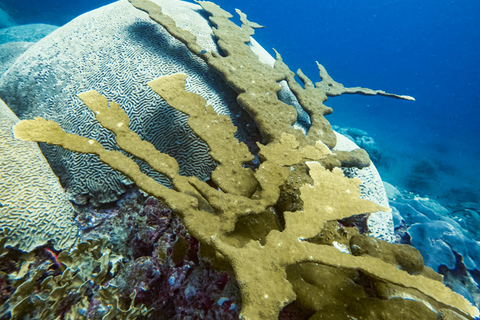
(428, 50)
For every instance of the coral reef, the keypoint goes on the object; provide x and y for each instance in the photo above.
(211, 215)
(73, 285)
(467, 214)
(443, 240)
(171, 280)
(33, 206)
(160, 275)
(116, 50)
(333, 88)
(26, 33)
(363, 140)
(16, 40)
(9, 52)
(379, 224)
(280, 255)
(431, 231)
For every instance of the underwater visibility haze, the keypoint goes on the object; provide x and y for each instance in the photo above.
(192, 253)
(427, 50)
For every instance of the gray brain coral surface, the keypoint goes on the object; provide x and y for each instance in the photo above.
(33, 206)
(116, 50)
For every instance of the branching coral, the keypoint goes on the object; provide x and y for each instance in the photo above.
(211, 212)
(257, 83)
(333, 88)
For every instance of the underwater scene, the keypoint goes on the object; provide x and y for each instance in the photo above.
(261, 160)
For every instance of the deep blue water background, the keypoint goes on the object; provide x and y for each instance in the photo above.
(427, 49)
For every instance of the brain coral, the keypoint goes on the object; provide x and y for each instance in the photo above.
(33, 207)
(115, 50)
(380, 223)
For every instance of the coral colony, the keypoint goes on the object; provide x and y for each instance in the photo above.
(270, 235)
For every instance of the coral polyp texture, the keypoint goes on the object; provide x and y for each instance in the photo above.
(211, 214)
(116, 50)
(277, 224)
(33, 206)
(70, 285)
